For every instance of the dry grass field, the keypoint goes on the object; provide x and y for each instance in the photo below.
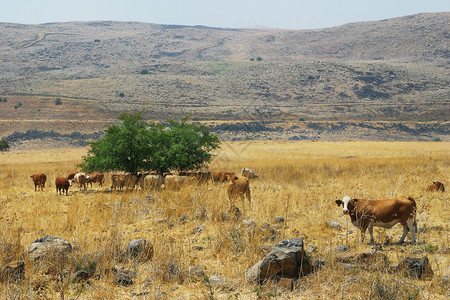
(299, 181)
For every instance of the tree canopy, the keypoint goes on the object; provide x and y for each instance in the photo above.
(135, 146)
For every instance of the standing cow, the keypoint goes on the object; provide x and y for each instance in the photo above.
(39, 181)
(81, 179)
(238, 188)
(381, 213)
(62, 184)
(96, 177)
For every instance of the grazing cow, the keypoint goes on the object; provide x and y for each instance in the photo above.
(221, 176)
(118, 181)
(62, 184)
(250, 174)
(238, 188)
(81, 179)
(174, 182)
(151, 181)
(382, 213)
(39, 181)
(436, 186)
(96, 177)
(203, 176)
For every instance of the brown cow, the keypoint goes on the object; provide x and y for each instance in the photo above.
(436, 186)
(221, 176)
(96, 177)
(62, 184)
(81, 179)
(175, 182)
(238, 188)
(124, 180)
(39, 181)
(382, 213)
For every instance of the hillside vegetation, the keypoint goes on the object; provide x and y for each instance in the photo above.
(392, 70)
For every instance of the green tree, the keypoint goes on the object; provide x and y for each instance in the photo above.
(4, 145)
(135, 146)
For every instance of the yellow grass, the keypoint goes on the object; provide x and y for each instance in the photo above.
(298, 181)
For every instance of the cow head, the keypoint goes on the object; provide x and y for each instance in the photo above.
(69, 181)
(347, 203)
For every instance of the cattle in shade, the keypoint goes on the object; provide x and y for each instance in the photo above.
(151, 182)
(221, 176)
(203, 176)
(250, 174)
(39, 181)
(366, 214)
(238, 188)
(436, 186)
(117, 181)
(82, 180)
(175, 182)
(62, 184)
(96, 177)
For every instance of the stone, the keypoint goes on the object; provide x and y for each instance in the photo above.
(123, 277)
(334, 225)
(41, 247)
(363, 256)
(279, 219)
(13, 271)
(286, 259)
(140, 249)
(419, 268)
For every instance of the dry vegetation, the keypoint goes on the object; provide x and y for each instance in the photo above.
(298, 181)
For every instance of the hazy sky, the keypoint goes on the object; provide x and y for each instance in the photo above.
(287, 14)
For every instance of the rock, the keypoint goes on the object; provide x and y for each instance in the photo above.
(141, 250)
(287, 259)
(279, 219)
(40, 248)
(338, 249)
(195, 271)
(123, 277)
(415, 267)
(13, 271)
(334, 225)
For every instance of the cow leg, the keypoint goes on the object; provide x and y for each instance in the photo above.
(249, 197)
(405, 232)
(372, 240)
(412, 227)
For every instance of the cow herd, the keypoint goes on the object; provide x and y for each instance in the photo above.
(364, 214)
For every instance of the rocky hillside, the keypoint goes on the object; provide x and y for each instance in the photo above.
(392, 70)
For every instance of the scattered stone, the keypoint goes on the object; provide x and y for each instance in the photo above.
(419, 268)
(334, 225)
(141, 250)
(287, 259)
(13, 271)
(200, 213)
(197, 248)
(41, 247)
(338, 249)
(279, 219)
(195, 271)
(198, 229)
(123, 277)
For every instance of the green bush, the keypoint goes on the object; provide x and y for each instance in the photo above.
(58, 101)
(4, 145)
(259, 58)
(121, 95)
(144, 71)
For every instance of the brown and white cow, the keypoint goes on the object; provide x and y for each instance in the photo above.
(436, 186)
(62, 184)
(381, 213)
(96, 177)
(82, 180)
(238, 188)
(39, 181)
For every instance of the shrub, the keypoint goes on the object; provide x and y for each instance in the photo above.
(436, 139)
(121, 95)
(4, 145)
(58, 101)
(301, 119)
(5, 100)
(259, 58)
(144, 71)
(252, 59)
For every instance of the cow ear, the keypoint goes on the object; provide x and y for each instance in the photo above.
(339, 202)
(355, 200)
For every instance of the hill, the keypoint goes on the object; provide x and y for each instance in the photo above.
(368, 73)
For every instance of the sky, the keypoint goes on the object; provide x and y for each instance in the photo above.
(285, 14)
